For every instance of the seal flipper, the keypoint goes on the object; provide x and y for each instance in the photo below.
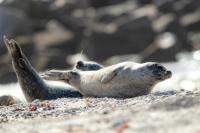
(55, 75)
(109, 76)
(30, 82)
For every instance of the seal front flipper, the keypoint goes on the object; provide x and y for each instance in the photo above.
(109, 76)
(56, 75)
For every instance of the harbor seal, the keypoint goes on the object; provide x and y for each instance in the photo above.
(127, 79)
(32, 85)
(7, 100)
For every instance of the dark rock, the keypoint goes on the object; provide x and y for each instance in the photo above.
(11, 26)
(191, 22)
(169, 23)
(32, 8)
(54, 45)
(165, 6)
(6, 74)
(181, 33)
(191, 6)
(50, 59)
(23, 5)
(132, 36)
(144, 2)
(164, 55)
(178, 7)
(102, 3)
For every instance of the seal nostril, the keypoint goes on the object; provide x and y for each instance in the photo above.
(169, 72)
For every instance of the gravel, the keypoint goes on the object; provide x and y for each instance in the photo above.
(169, 111)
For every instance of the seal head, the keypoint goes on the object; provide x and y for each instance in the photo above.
(158, 71)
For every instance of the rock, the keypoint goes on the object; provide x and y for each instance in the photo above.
(195, 38)
(102, 3)
(122, 58)
(178, 7)
(132, 36)
(169, 23)
(10, 25)
(144, 2)
(181, 34)
(53, 46)
(163, 49)
(51, 59)
(191, 22)
(23, 5)
(7, 77)
(32, 8)
(107, 15)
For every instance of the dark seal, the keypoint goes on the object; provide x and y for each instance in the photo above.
(32, 85)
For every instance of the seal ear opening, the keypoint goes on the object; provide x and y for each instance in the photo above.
(22, 63)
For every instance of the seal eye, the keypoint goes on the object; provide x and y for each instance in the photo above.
(79, 64)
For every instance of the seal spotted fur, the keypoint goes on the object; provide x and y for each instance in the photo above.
(127, 79)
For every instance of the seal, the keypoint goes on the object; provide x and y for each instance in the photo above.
(7, 100)
(32, 85)
(127, 79)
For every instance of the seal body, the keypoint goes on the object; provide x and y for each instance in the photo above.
(127, 79)
(32, 85)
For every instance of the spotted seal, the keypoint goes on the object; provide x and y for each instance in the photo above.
(126, 79)
(32, 85)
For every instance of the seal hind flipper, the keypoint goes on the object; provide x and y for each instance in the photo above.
(30, 82)
(12, 46)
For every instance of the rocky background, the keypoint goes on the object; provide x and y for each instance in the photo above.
(52, 32)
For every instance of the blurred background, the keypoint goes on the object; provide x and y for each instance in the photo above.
(57, 33)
